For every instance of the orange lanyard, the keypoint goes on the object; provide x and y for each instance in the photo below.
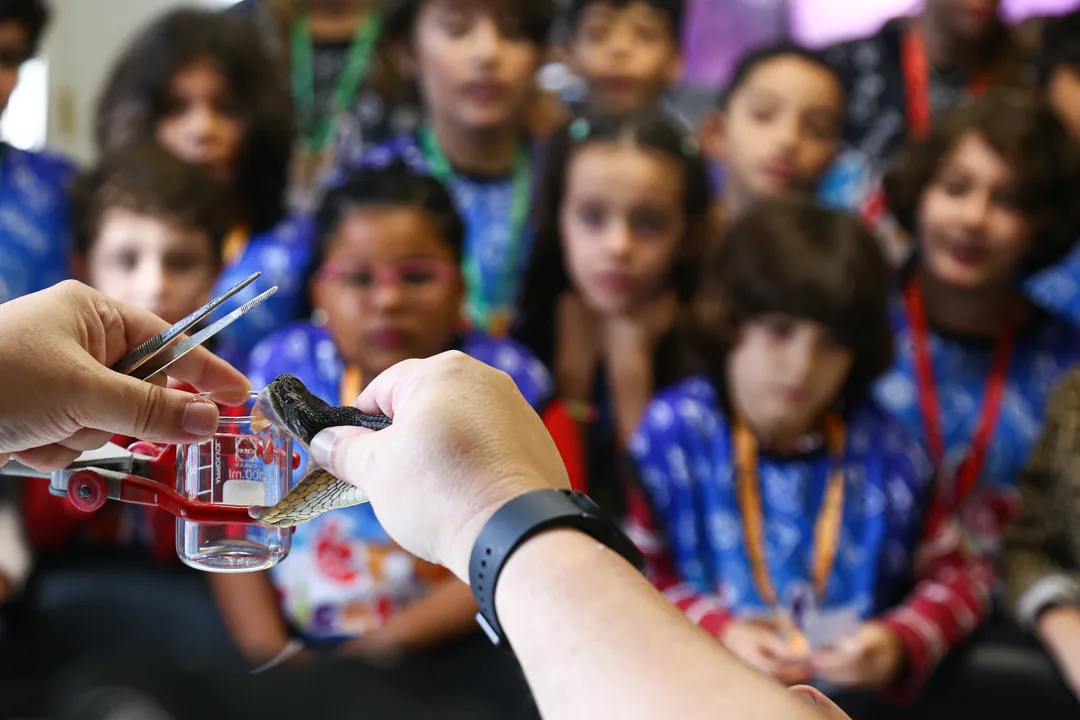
(827, 527)
(236, 243)
(352, 384)
(917, 82)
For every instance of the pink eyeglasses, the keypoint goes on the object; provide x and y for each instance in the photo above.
(419, 275)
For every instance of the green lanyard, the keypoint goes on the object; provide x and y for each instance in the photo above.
(489, 313)
(317, 130)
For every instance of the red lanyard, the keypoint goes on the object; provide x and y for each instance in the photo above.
(968, 472)
(917, 82)
(827, 527)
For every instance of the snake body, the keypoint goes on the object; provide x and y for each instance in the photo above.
(288, 404)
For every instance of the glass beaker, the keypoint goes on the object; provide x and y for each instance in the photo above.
(238, 466)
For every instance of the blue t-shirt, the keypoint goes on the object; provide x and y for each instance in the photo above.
(683, 452)
(283, 255)
(344, 575)
(1043, 351)
(35, 240)
(486, 207)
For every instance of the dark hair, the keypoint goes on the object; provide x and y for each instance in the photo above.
(33, 15)
(396, 184)
(536, 17)
(1060, 47)
(673, 9)
(137, 97)
(546, 277)
(759, 56)
(791, 256)
(1032, 142)
(148, 180)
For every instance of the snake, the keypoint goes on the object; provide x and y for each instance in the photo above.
(288, 405)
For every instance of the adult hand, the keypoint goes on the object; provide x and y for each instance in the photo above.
(463, 443)
(1059, 628)
(758, 644)
(59, 396)
(870, 658)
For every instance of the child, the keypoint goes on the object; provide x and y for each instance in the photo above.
(788, 502)
(777, 126)
(342, 84)
(388, 288)
(200, 83)
(33, 185)
(474, 64)
(623, 216)
(1042, 557)
(627, 51)
(149, 232)
(988, 197)
(915, 67)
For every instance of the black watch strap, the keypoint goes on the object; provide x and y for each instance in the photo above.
(520, 519)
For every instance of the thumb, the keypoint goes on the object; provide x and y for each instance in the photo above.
(124, 405)
(345, 452)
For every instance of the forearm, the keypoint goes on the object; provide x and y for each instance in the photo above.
(612, 627)
(446, 612)
(251, 611)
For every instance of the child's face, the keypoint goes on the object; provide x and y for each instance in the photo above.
(625, 54)
(202, 123)
(781, 129)
(14, 43)
(971, 232)
(390, 288)
(784, 372)
(152, 264)
(475, 68)
(1063, 96)
(622, 222)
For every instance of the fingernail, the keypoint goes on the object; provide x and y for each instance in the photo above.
(322, 447)
(807, 695)
(200, 417)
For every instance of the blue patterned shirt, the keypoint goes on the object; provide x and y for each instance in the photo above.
(683, 453)
(35, 240)
(283, 255)
(1043, 352)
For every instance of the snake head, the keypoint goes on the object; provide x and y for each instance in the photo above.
(286, 403)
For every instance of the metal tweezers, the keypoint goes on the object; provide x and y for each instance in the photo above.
(147, 360)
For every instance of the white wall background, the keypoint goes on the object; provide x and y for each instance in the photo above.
(55, 104)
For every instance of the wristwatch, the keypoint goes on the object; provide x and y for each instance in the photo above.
(519, 520)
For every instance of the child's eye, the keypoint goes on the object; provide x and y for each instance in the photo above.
(649, 33)
(596, 31)
(182, 263)
(455, 22)
(955, 186)
(416, 277)
(821, 128)
(127, 261)
(649, 222)
(360, 279)
(763, 113)
(592, 216)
